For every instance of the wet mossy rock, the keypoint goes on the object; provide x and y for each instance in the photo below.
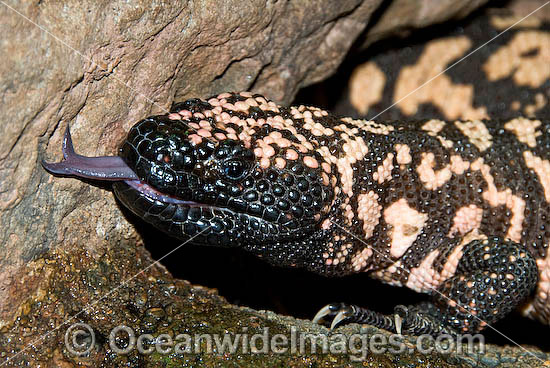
(67, 249)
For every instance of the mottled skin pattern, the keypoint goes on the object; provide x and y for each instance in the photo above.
(457, 210)
(509, 77)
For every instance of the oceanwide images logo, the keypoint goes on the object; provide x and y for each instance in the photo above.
(80, 340)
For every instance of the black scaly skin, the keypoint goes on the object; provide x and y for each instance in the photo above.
(504, 97)
(296, 215)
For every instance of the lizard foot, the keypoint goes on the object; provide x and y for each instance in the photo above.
(423, 318)
(493, 276)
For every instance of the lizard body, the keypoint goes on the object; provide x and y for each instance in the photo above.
(455, 209)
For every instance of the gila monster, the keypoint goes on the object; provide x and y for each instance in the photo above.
(458, 210)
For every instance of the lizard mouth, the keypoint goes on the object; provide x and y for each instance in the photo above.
(150, 192)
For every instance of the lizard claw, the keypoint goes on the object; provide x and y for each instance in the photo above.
(400, 315)
(398, 323)
(323, 312)
(341, 316)
(342, 313)
(338, 311)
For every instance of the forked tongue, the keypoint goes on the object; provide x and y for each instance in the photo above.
(111, 168)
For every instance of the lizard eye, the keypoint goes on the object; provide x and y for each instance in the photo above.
(234, 169)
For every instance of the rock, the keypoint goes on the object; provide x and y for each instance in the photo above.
(68, 251)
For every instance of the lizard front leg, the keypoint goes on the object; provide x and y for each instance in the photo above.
(492, 278)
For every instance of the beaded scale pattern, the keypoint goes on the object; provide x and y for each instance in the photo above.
(454, 209)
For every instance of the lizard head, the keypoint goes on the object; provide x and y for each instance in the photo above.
(219, 179)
